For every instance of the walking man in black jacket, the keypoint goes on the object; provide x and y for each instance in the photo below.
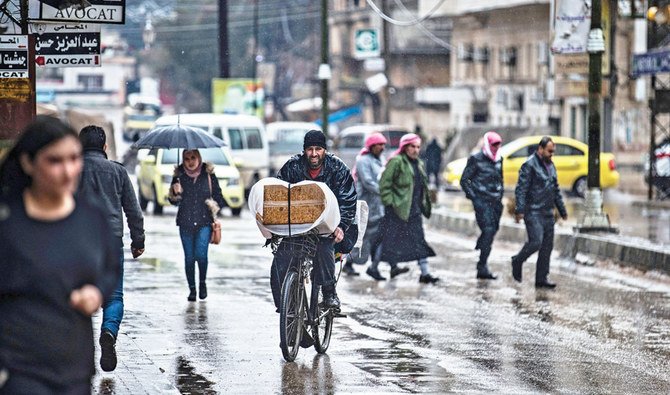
(482, 182)
(107, 183)
(537, 194)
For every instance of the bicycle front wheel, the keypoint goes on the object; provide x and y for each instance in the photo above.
(291, 316)
(323, 322)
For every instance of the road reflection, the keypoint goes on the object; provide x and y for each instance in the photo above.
(298, 378)
(197, 335)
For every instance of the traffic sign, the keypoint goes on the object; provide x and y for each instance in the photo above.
(366, 43)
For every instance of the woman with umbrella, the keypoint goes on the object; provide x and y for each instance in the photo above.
(195, 189)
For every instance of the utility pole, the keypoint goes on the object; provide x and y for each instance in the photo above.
(386, 55)
(594, 218)
(224, 51)
(254, 85)
(324, 68)
(652, 33)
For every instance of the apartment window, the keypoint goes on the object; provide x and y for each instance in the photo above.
(90, 82)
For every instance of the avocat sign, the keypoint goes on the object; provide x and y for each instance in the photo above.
(100, 11)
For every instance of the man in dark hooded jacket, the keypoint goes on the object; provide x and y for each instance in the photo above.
(107, 183)
(317, 165)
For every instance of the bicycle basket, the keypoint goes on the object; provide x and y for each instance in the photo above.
(303, 245)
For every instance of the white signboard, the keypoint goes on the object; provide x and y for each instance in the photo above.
(366, 44)
(66, 45)
(13, 56)
(571, 30)
(100, 11)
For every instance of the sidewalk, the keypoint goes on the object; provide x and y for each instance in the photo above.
(625, 250)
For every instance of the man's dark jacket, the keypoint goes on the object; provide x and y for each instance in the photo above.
(482, 179)
(107, 183)
(335, 174)
(537, 190)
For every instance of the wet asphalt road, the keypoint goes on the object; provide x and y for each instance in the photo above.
(603, 330)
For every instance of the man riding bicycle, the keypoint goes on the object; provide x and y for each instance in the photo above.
(316, 164)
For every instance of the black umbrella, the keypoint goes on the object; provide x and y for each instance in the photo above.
(178, 136)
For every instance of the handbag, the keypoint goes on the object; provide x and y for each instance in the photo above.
(216, 224)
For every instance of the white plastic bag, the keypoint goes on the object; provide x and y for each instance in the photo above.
(325, 224)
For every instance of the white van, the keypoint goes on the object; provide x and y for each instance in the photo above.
(244, 134)
(352, 139)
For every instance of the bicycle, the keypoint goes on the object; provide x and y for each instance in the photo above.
(296, 311)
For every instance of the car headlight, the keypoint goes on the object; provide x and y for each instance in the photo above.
(166, 179)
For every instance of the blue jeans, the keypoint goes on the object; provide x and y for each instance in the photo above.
(112, 310)
(196, 244)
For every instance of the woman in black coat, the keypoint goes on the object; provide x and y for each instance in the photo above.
(195, 189)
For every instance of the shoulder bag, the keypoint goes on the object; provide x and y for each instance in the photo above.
(216, 224)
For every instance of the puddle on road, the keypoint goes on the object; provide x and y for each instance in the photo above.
(190, 382)
(300, 378)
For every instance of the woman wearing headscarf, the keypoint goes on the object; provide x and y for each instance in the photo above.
(195, 189)
(482, 182)
(404, 193)
(366, 172)
(58, 263)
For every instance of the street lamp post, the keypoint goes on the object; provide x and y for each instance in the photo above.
(324, 68)
(594, 219)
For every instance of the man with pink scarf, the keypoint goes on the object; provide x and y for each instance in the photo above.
(482, 182)
(404, 192)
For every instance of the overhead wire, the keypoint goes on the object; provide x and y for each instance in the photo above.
(425, 30)
(412, 22)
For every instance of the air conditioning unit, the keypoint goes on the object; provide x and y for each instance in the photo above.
(481, 55)
(464, 52)
(508, 56)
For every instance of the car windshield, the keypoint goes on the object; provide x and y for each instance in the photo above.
(288, 141)
(393, 138)
(142, 117)
(212, 155)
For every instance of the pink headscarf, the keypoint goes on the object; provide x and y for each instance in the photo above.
(409, 138)
(493, 152)
(193, 173)
(373, 139)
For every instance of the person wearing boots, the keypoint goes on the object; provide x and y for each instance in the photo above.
(482, 182)
(195, 189)
(107, 182)
(537, 193)
(404, 192)
(368, 169)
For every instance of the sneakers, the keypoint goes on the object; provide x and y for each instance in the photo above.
(375, 274)
(428, 279)
(349, 270)
(396, 271)
(191, 295)
(107, 351)
(203, 291)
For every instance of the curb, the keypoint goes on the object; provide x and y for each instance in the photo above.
(627, 251)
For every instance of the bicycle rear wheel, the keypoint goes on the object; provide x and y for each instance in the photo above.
(323, 322)
(291, 316)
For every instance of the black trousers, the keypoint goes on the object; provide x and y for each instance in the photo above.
(540, 229)
(323, 267)
(487, 215)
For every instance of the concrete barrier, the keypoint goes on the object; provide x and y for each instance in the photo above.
(638, 253)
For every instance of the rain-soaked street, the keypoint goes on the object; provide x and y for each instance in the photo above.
(603, 330)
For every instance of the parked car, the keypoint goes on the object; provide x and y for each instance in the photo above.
(570, 159)
(156, 169)
(139, 116)
(350, 140)
(244, 134)
(285, 140)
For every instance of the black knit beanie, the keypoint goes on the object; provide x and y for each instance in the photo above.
(314, 138)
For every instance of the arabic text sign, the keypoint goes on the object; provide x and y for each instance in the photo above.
(573, 21)
(66, 45)
(651, 63)
(13, 56)
(100, 11)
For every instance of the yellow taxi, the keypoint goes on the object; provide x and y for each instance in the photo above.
(570, 159)
(156, 169)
